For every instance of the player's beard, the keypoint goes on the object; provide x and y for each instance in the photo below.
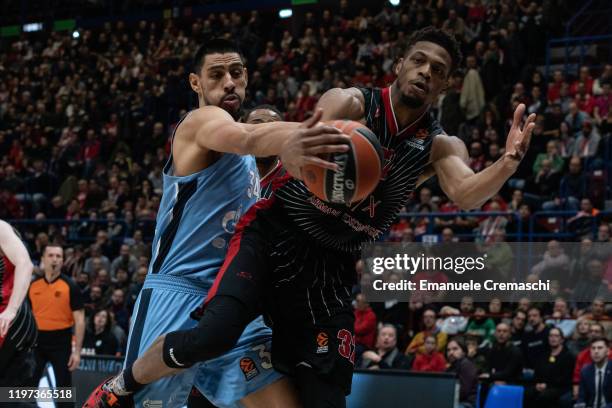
(412, 102)
(236, 115)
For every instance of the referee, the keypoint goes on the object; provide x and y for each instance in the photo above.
(17, 326)
(58, 308)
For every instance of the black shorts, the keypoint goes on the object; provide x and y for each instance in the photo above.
(302, 289)
(17, 362)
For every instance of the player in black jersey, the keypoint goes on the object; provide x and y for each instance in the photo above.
(267, 166)
(17, 326)
(293, 256)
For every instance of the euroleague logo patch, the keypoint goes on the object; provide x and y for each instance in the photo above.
(249, 369)
(322, 343)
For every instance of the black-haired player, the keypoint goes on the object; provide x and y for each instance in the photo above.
(292, 256)
(209, 181)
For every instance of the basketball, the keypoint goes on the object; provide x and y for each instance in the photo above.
(359, 171)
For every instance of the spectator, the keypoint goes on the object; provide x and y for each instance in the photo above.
(606, 76)
(137, 246)
(587, 141)
(431, 360)
(467, 305)
(365, 325)
(117, 307)
(488, 226)
(481, 326)
(472, 99)
(519, 318)
(576, 118)
(584, 79)
(552, 375)
(602, 103)
(454, 24)
(552, 154)
(572, 188)
(591, 285)
(465, 370)
(56, 316)
(562, 319)
(125, 261)
(417, 345)
(122, 280)
(504, 361)
(98, 337)
(580, 337)
(82, 282)
(535, 341)
(596, 378)
(596, 331)
(386, 355)
(96, 261)
(554, 262)
(500, 258)
(95, 300)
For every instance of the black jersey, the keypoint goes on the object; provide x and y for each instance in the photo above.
(406, 153)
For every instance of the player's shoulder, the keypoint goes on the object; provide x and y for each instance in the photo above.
(5, 228)
(346, 93)
(195, 118)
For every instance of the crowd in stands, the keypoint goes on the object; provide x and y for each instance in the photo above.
(84, 134)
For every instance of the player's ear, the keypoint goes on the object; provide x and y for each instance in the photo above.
(194, 82)
(398, 66)
(246, 76)
(446, 85)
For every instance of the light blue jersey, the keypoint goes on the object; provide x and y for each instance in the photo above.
(197, 216)
(195, 222)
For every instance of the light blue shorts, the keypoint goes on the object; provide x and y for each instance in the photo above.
(164, 305)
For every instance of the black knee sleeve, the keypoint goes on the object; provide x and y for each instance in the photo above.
(218, 331)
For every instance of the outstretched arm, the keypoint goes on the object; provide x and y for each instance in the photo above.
(471, 190)
(16, 252)
(213, 129)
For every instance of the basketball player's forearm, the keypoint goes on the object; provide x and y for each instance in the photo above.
(267, 139)
(261, 140)
(150, 366)
(476, 189)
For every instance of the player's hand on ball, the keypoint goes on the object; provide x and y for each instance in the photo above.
(519, 137)
(309, 141)
(6, 318)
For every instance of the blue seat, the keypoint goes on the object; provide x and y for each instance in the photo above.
(505, 396)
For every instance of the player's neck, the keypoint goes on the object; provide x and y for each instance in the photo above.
(405, 115)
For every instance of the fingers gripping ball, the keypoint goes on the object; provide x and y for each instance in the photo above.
(359, 171)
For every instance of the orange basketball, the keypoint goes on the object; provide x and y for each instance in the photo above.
(360, 167)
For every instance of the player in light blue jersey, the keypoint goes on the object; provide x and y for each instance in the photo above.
(210, 180)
